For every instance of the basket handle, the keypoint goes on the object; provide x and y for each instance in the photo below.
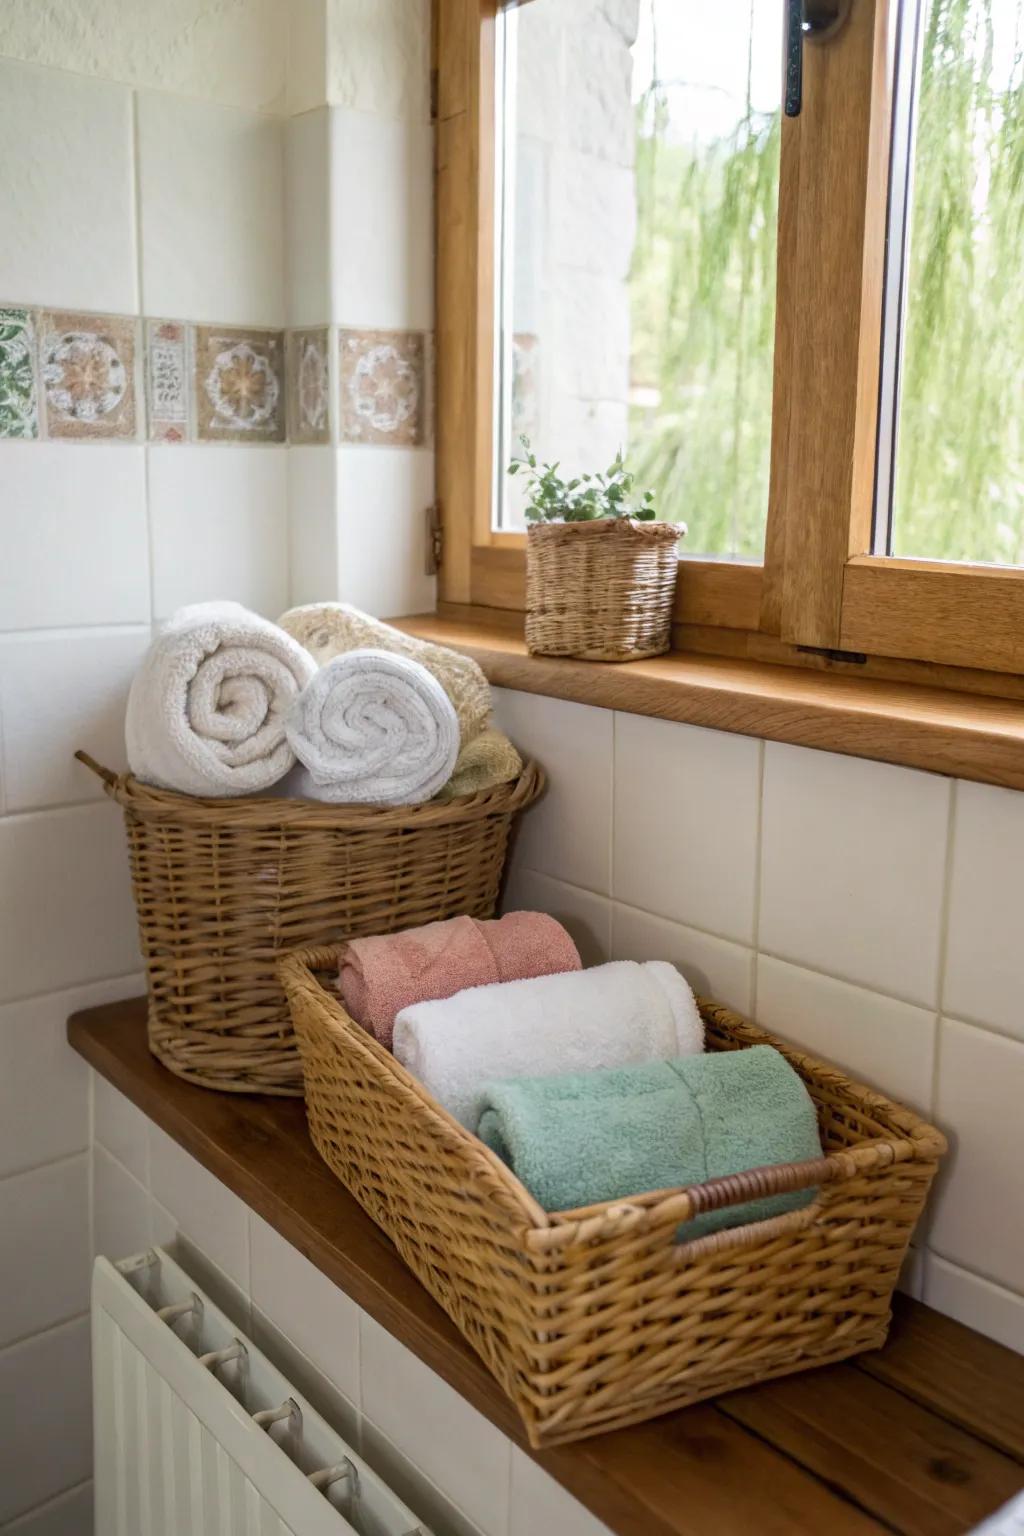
(106, 774)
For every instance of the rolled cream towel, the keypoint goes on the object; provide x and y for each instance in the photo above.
(379, 976)
(488, 760)
(207, 707)
(373, 728)
(608, 1016)
(330, 629)
(588, 1137)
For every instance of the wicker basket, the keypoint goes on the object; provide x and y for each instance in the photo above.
(221, 885)
(598, 1318)
(602, 590)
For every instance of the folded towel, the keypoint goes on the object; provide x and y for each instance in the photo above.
(330, 629)
(488, 760)
(373, 728)
(207, 707)
(604, 1017)
(596, 1136)
(379, 976)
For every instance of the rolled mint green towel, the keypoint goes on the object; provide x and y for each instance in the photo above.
(587, 1137)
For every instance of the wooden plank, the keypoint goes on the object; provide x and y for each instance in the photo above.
(689, 1474)
(836, 336)
(966, 616)
(955, 1372)
(967, 736)
(912, 1471)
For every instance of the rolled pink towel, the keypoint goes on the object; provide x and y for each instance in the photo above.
(378, 977)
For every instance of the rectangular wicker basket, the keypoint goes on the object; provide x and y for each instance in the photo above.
(598, 1318)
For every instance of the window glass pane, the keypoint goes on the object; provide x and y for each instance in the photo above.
(637, 201)
(958, 486)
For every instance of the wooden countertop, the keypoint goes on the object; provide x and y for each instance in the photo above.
(925, 1437)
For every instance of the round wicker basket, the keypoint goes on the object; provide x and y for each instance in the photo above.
(222, 885)
(601, 590)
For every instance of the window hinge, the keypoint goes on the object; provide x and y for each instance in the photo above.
(435, 539)
(830, 654)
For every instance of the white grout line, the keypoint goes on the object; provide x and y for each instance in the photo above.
(940, 989)
(20, 1522)
(40, 1333)
(758, 875)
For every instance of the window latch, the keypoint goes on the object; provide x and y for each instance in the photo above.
(816, 21)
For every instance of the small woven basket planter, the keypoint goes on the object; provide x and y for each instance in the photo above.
(598, 1318)
(222, 885)
(601, 590)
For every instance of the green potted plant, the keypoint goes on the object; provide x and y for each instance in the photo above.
(600, 567)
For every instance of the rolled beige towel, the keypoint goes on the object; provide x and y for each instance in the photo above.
(490, 759)
(329, 629)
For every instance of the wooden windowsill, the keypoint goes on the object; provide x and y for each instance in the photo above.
(925, 1436)
(970, 736)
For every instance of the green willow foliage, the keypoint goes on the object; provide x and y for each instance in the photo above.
(703, 309)
(702, 294)
(959, 488)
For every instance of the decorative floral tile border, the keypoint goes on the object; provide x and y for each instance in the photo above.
(89, 377)
(308, 386)
(383, 387)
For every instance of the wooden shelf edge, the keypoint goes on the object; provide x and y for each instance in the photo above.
(644, 1481)
(967, 736)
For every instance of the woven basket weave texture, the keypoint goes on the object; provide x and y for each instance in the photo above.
(601, 590)
(221, 886)
(595, 1319)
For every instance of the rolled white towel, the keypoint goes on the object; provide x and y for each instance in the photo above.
(373, 728)
(609, 1016)
(207, 707)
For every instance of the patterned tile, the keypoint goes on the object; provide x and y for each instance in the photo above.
(168, 355)
(87, 373)
(19, 411)
(308, 387)
(239, 385)
(383, 391)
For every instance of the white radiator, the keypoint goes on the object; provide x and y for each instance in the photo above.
(197, 1434)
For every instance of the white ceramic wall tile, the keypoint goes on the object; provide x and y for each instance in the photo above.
(383, 496)
(713, 967)
(686, 813)
(46, 1446)
(427, 1502)
(853, 861)
(121, 1209)
(586, 917)
(204, 1209)
(70, 1514)
(44, 1218)
(911, 1275)
(539, 1504)
(67, 174)
(312, 525)
(121, 1127)
(975, 1302)
(75, 545)
(464, 1455)
(984, 955)
(980, 1091)
(887, 1044)
(568, 833)
(66, 911)
(219, 517)
(44, 1084)
(381, 221)
(61, 690)
(211, 206)
(306, 218)
(315, 1386)
(310, 1309)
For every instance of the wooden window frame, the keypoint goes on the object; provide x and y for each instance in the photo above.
(819, 591)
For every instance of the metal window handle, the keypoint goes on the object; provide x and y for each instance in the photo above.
(816, 21)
